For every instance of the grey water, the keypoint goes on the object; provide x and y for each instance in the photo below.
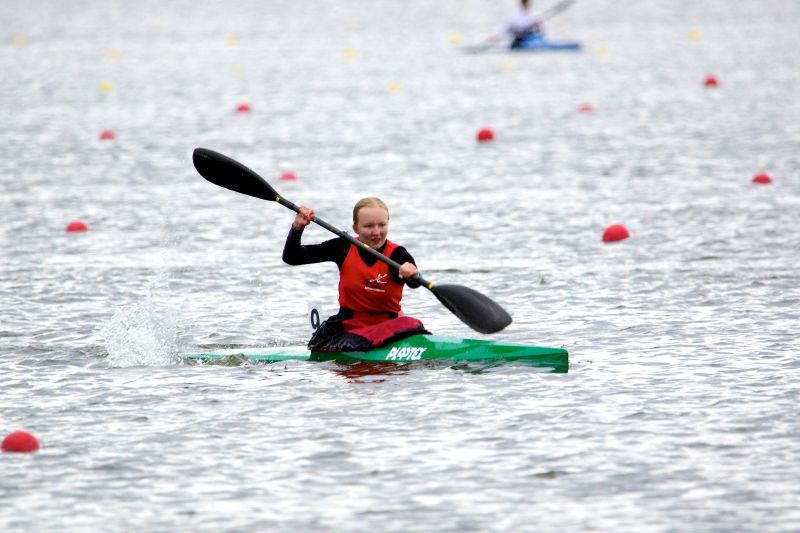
(680, 408)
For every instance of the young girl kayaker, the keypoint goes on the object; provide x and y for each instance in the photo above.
(369, 290)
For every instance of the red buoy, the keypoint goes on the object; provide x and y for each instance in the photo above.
(711, 81)
(76, 225)
(485, 135)
(243, 108)
(615, 232)
(288, 176)
(762, 178)
(585, 108)
(20, 441)
(107, 135)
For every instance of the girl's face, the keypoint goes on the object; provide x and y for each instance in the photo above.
(372, 226)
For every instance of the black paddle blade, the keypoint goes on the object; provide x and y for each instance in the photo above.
(473, 308)
(223, 171)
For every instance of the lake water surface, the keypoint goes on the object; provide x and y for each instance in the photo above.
(680, 408)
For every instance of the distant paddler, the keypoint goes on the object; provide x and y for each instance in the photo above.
(525, 28)
(522, 25)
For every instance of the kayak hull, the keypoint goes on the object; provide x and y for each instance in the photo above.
(408, 350)
(541, 45)
(532, 45)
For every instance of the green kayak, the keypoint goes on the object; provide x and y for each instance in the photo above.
(410, 349)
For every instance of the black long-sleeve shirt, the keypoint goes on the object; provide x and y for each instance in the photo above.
(295, 253)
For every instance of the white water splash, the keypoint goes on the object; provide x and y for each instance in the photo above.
(143, 334)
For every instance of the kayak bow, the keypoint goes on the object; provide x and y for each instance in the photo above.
(410, 349)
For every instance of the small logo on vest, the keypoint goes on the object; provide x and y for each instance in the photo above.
(377, 284)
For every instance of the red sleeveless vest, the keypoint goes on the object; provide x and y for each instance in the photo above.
(369, 289)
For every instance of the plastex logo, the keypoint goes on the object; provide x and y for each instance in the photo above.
(405, 354)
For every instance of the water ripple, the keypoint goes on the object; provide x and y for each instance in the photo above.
(678, 411)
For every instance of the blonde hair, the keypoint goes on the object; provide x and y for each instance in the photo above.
(368, 202)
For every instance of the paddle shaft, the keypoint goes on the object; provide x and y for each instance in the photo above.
(556, 9)
(392, 263)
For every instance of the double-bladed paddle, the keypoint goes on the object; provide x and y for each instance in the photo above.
(473, 308)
